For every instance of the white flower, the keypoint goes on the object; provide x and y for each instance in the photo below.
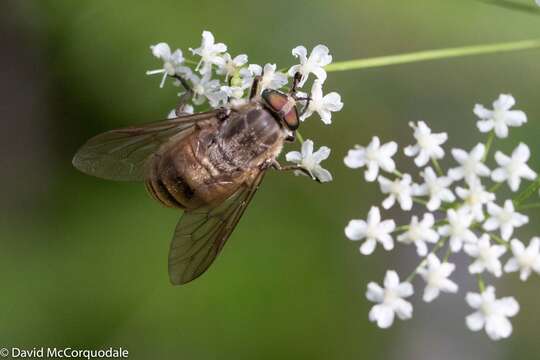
(310, 161)
(457, 229)
(471, 164)
(501, 117)
(271, 79)
(390, 300)
(512, 169)
(373, 230)
(492, 313)
(420, 232)
(206, 88)
(323, 105)
(246, 75)
(486, 256)
(400, 189)
(187, 109)
(475, 197)
(374, 156)
(436, 274)
(231, 66)
(171, 61)
(235, 95)
(427, 144)
(526, 259)
(437, 188)
(504, 218)
(315, 63)
(210, 53)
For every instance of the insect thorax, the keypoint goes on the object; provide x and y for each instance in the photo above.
(247, 138)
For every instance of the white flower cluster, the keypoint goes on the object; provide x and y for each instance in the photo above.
(462, 214)
(223, 80)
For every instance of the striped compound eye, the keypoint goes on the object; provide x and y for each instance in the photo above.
(282, 105)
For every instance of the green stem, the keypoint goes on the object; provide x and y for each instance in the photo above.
(192, 62)
(489, 142)
(440, 222)
(437, 246)
(401, 228)
(447, 254)
(529, 206)
(499, 240)
(452, 205)
(525, 194)
(398, 174)
(299, 137)
(495, 187)
(432, 55)
(419, 201)
(481, 284)
(437, 167)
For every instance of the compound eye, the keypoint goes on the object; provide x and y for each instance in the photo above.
(274, 99)
(280, 104)
(292, 119)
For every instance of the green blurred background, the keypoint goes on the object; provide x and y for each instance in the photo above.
(84, 261)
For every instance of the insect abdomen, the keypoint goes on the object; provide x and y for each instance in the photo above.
(181, 179)
(168, 183)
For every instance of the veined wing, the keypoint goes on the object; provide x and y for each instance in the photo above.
(121, 154)
(201, 233)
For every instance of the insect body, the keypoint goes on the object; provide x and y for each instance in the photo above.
(209, 164)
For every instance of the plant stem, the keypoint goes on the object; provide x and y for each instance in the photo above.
(398, 174)
(419, 201)
(525, 194)
(432, 55)
(489, 142)
(440, 222)
(437, 167)
(499, 240)
(447, 254)
(299, 137)
(481, 284)
(495, 187)
(529, 206)
(401, 228)
(437, 246)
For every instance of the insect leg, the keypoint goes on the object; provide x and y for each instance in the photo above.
(292, 92)
(296, 79)
(255, 87)
(291, 136)
(306, 105)
(184, 99)
(276, 165)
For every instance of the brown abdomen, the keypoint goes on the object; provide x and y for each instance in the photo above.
(179, 179)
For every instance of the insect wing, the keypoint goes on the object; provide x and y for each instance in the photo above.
(121, 154)
(201, 234)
